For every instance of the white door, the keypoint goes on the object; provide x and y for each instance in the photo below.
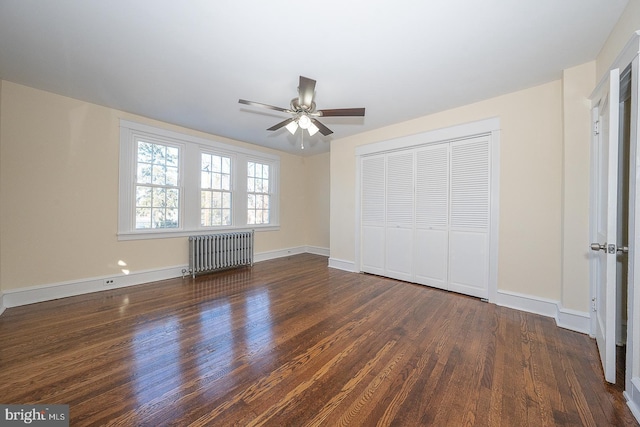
(432, 216)
(469, 213)
(606, 193)
(399, 215)
(373, 205)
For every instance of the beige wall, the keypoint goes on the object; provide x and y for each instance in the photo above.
(577, 84)
(317, 209)
(59, 194)
(531, 176)
(628, 23)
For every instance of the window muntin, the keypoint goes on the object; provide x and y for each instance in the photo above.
(157, 194)
(167, 194)
(215, 190)
(258, 193)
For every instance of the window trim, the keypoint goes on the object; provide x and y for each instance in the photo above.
(191, 148)
(232, 186)
(268, 193)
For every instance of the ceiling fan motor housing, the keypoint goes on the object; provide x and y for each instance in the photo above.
(297, 108)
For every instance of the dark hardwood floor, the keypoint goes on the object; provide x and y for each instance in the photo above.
(293, 342)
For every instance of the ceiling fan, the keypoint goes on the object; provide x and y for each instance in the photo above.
(303, 111)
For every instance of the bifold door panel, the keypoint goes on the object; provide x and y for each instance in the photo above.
(425, 215)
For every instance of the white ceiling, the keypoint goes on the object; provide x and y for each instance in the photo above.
(188, 62)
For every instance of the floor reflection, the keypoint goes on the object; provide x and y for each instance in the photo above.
(221, 284)
(156, 350)
(217, 343)
(259, 328)
(228, 326)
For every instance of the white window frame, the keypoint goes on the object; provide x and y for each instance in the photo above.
(268, 193)
(151, 185)
(232, 186)
(191, 149)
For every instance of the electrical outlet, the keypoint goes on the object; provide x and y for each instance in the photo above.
(109, 282)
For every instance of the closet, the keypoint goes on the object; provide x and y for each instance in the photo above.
(426, 212)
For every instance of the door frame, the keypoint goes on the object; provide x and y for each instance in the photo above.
(491, 127)
(629, 57)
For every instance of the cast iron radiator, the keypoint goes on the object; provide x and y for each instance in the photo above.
(219, 251)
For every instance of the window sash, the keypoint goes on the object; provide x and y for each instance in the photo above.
(157, 191)
(179, 182)
(258, 193)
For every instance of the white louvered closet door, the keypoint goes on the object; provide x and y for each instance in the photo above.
(431, 258)
(399, 215)
(373, 206)
(426, 215)
(469, 217)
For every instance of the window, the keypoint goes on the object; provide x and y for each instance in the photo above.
(157, 192)
(215, 190)
(173, 184)
(258, 193)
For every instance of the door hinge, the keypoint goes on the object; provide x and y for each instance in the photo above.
(593, 304)
(596, 128)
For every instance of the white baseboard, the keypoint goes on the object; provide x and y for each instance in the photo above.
(40, 293)
(578, 321)
(316, 250)
(281, 253)
(565, 318)
(48, 292)
(633, 397)
(342, 265)
(265, 256)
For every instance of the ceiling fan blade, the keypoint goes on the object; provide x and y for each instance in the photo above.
(258, 104)
(281, 124)
(322, 128)
(306, 91)
(337, 112)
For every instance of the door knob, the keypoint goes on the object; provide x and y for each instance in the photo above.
(598, 247)
(623, 249)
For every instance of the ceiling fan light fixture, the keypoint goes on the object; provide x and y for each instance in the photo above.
(292, 127)
(304, 121)
(312, 129)
(303, 113)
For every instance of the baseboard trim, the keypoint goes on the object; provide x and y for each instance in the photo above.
(281, 253)
(565, 318)
(578, 321)
(341, 264)
(48, 292)
(52, 291)
(633, 397)
(316, 250)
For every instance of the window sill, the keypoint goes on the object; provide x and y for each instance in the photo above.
(144, 235)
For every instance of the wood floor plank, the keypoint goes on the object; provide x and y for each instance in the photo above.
(293, 342)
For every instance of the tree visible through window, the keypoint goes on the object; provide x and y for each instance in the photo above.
(157, 191)
(215, 190)
(258, 193)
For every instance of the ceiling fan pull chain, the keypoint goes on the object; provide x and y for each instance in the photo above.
(302, 140)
